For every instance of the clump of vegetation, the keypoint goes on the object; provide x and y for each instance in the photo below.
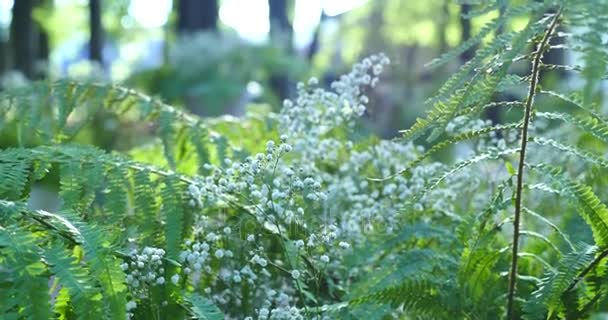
(296, 215)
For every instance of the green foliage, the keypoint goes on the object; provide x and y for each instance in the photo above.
(295, 215)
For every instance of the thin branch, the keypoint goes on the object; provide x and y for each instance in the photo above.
(542, 46)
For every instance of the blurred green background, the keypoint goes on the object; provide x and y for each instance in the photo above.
(216, 57)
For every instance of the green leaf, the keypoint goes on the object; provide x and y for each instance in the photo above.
(203, 308)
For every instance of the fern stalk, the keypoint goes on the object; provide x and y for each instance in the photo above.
(542, 46)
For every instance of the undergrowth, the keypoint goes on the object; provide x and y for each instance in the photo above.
(297, 215)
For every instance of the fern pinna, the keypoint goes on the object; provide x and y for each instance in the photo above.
(296, 215)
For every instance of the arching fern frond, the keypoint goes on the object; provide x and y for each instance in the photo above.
(590, 207)
(547, 298)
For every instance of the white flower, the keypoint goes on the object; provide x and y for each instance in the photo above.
(219, 253)
(299, 244)
(324, 258)
(175, 279)
(251, 238)
(344, 245)
(160, 280)
(269, 146)
(131, 305)
(264, 312)
(295, 274)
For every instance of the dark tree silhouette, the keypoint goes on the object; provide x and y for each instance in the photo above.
(197, 15)
(22, 37)
(281, 32)
(465, 31)
(96, 31)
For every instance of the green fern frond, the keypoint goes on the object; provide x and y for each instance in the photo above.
(199, 139)
(450, 98)
(583, 155)
(477, 158)
(575, 101)
(20, 252)
(546, 299)
(145, 205)
(105, 265)
(453, 140)
(173, 213)
(203, 308)
(84, 296)
(550, 224)
(593, 126)
(14, 174)
(115, 202)
(486, 30)
(167, 135)
(421, 297)
(593, 211)
(70, 189)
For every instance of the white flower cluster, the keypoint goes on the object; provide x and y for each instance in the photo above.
(278, 191)
(317, 111)
(144, 268)
(278, 306)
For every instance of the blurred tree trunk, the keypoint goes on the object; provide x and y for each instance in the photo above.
(22, 37)
(313, 48)
(465, 31)
(443, 26)
(43, 45)
(96, 32)
(3, 56)
(197, 15)
(42, 42)
(494, 114)
(281, 33)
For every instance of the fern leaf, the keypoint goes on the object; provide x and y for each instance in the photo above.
(418, 296)
(593, 126)
(593, 211)
(104, 265)
(14, 173)
(546, 299)
(550, 224)
(84, 296)
(115, 202)
(145, 205)
(199, 140)
(583, 155)
(458, 138)
(167, 134)
(22, 252)
(203, 308)
(70, 188)
(173, 214)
